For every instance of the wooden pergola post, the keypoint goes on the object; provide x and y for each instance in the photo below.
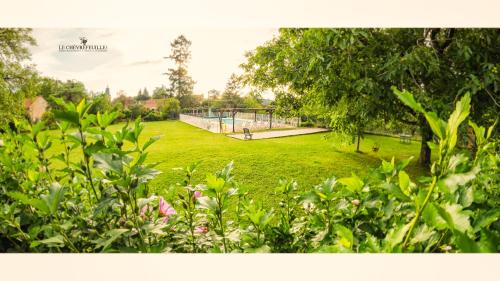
(270, 119)
(220, 120)
(234, 114)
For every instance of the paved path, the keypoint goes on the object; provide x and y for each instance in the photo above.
(280, 133)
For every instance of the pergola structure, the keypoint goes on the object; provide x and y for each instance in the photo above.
(200, 111)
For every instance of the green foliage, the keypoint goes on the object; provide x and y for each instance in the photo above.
(169, 108)
(101, 202)
(143, 95)
(181, 84)
(162, 93)
(17, 81)
(231, 96)
(345, 75)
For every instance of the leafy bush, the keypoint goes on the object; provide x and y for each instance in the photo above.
(100, 200)
(136, 110)
(170, 108)
(49, 120)
(153, 116)
(307, 124)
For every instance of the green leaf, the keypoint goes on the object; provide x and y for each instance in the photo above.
(404, 182)
(395, 191)
(408, 99)
(456, 161)
(490, 129)
(452, 181)
(437, 125)
(80, 107)
(55, 241)
(108, 162)
(464, 243)
(478, 132)
(38, 204)
(462, 109)
(95, 147)
(421, 234)
(150, 141)
(488, 242)
(467, 196)
(215, 182)
(403, 163)
(262, 249)
(110, 236)
(141, 202)
(460, 113)
(333, 249)
(454, 217)
(309, 197)
(353, 184)
(387, 168)
(54, 198)
(208, 203)
(68, 116)
(37, 128)
(371, 243)
(432, 218)
(396, 235)
(485, 219)
(346, 238)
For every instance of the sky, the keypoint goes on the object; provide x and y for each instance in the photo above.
(135, 57)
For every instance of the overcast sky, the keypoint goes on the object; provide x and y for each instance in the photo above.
(134, 58)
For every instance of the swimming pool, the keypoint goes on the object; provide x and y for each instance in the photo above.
(228, 120)
(212, 123)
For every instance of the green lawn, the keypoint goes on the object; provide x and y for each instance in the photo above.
(259, 164)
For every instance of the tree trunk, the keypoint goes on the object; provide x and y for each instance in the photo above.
(357, 147)
(471, 142)
(425, 151)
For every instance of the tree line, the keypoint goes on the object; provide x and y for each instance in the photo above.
(19, 80)
(346, 75)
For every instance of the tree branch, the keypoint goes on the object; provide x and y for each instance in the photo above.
(492, 97)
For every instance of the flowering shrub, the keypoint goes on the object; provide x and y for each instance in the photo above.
(99, 199)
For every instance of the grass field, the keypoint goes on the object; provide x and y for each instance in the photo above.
(259, 164)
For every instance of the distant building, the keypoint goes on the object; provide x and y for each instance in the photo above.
(151, 104)
(35, 107)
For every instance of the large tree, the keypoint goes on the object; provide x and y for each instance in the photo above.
(319, 68)
(231, 96)
(181, 84)
(143, 95)
(70, 91)
(439, 65)
(101, 103)
(348, 73)
(162, 93)
(16, 80)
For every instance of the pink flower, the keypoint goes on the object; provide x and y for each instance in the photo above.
(144, 210)
(197, 194)
(166, 209)
(201, 229)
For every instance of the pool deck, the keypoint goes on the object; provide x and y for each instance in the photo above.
(279, 133)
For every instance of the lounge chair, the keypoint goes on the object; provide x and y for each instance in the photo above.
(247, 133)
